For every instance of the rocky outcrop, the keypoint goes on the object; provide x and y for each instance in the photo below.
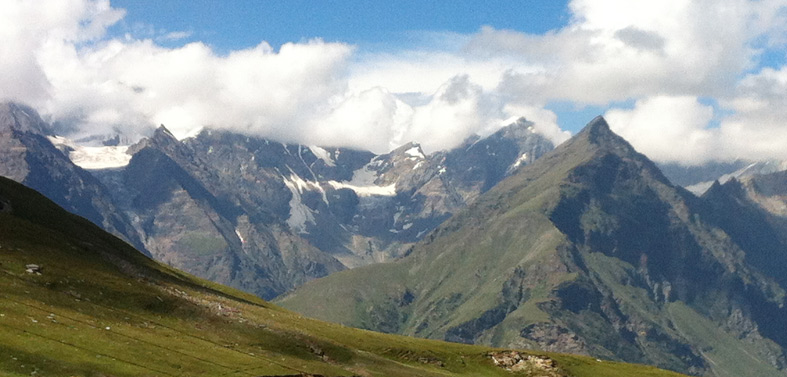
(529, 365)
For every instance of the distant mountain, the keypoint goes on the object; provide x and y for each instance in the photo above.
(266, 217)
(360, 207)
(756, 204)
(192, 218)
(698, 179)
(681, 175)
(76, 301)
(591, 250)
(256, 214)
(27, 156)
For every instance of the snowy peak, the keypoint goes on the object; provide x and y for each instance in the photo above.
(411, 151)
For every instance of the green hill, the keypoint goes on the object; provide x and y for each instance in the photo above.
(94, 306)
(587, 250)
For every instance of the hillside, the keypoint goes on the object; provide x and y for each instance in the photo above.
(590, 250)
(94, 306)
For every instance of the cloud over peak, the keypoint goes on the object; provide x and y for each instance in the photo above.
(666, 58)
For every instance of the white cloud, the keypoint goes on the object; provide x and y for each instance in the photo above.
(758, 127)
(616, 50)
(664, 55)
(668, 129)
(27, 26)
(675, 129)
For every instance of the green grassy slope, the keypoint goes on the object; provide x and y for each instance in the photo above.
(99, 308)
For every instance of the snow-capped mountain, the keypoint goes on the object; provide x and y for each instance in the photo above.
(265, 216)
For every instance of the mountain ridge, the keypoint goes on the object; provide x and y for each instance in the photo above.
(589, 249)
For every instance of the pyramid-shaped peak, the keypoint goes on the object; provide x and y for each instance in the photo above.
(597, 126)
(162, 138)
(598, 133)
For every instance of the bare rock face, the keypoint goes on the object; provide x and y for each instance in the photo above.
(555, 338)
(194, 217)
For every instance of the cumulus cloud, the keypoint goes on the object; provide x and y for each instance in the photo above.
(676, 128)
(28, 27)
(616, 50)
(757, 128)
(663, 55)
(668, 129)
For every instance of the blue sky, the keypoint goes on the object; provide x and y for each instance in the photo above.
(684, 81)
(231, 25)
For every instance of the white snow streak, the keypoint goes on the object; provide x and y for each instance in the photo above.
(389, 190)
(322, 154)
(300, 214)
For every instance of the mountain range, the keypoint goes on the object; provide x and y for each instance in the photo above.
(504, 241)
(259, 215)
(590, 250)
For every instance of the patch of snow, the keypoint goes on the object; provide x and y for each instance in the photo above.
(418, 165)
(363, 183)
(303, 185)
(415, 152)
(389, 190)
(322, 154)
(94, 158)
(300, 214)
(519, 161)
(442, 170)
(237, 233)
(407, 226)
